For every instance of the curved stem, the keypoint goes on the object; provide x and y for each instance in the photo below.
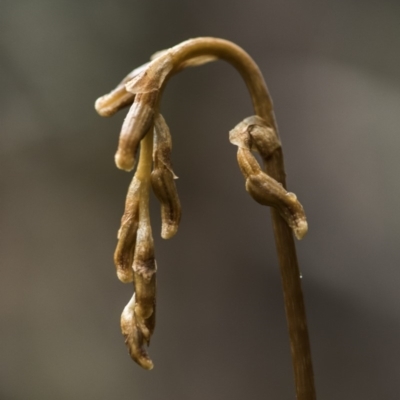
(274, 166)
(236, 56)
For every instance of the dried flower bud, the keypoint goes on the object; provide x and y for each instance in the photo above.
(136, 124)
(134, 338)
(118, 98)
(254, 134)
(162, 179)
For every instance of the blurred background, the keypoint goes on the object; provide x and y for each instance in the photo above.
(333, 69)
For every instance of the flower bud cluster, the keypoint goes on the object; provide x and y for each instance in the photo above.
(144, 126)
(134, 255)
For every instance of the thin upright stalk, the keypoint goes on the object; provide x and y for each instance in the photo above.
(274, 166)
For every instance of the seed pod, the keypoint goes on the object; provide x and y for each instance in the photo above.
(119, 97)
(136, 124)
(162, 179)
(123, 256)
(134, 338)
(267, 191)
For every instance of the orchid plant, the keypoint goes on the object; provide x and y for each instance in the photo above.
(145, 127)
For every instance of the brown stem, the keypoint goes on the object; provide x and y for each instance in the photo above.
(274, 166)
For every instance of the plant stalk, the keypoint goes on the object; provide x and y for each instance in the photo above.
(274, 167)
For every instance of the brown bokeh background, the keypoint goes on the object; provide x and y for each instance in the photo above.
(333, 70)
